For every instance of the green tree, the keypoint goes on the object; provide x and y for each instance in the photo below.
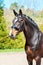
(1, 8)
(3, 29)
(5, 41)
(14, 6)
(22, 7)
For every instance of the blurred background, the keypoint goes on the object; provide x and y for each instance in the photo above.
(32, 8)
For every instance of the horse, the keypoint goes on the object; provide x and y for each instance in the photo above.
(34, 37)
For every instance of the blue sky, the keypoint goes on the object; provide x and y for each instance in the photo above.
(32, 4)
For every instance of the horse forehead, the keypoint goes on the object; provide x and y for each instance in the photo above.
(15, 20)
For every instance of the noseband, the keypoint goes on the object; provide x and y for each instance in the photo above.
(18, 28)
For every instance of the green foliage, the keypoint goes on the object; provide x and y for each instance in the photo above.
(41, 27)
(5, 41)
(3, 29)
(1, 12)
(8, 43)
(14, 6)
(1, 8)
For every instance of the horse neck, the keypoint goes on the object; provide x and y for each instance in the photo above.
(28, 32)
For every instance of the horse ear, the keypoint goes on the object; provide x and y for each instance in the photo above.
(15, 13)
(20, 11)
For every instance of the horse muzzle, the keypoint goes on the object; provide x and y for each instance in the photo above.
(12, 37)
(13, 34)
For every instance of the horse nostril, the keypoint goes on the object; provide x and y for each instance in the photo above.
(11, 34)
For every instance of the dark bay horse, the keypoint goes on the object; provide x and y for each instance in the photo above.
(34, 37)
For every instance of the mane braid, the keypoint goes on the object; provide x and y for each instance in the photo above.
(31, 21)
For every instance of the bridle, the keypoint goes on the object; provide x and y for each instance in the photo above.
(20, 28)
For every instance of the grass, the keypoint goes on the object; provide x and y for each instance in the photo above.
(12, 50)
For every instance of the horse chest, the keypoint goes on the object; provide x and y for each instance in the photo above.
(30, 53)
(34, 39)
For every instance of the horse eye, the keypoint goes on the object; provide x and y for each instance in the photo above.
(11, 26)
(20, 20)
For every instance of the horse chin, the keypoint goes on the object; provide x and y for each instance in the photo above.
(13, 37)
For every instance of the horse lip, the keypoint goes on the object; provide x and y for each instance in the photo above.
(12, 37)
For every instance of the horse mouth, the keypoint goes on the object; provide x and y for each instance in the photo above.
(13, 33)
(12, 37)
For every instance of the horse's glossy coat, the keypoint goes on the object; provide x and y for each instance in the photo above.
(34, 37)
